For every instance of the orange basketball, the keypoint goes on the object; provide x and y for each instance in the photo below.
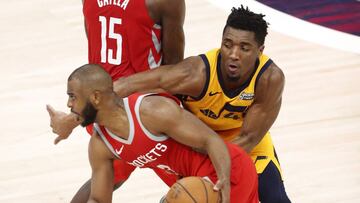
(192, 190)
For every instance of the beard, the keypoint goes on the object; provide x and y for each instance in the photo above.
(89, 114)
(232, 78)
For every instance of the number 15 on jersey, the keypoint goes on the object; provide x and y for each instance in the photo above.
(107, 55)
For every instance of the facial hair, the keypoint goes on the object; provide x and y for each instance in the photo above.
(89, 114)
(232, 78)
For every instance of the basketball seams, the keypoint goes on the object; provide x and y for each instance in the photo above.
(193, 189)
(206, 191)
(186, 191)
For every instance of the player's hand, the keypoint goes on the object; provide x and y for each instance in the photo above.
(224, 187)
(61, 123)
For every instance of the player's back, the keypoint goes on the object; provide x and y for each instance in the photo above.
(146, 150)
(122, 37)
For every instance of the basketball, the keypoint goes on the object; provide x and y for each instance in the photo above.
(192, 190)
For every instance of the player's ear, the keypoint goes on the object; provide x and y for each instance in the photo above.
(261, 49)
(95, 98)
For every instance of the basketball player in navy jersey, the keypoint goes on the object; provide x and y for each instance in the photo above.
(235, 89)
(114, 30)
(153, 131)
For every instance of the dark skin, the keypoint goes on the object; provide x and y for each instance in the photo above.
(170, 15)
(160, 116)
(239, 51)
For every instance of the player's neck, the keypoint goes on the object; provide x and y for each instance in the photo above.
(114, 117)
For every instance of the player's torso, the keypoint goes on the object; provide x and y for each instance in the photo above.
(121, 36)
(145, 150)
(224, 110)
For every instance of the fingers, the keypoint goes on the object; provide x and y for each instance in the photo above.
(50, 110)
(217, 186)
(224, 191)
(57, 140)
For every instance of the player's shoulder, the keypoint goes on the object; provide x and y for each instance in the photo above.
(158, 104)
(272, 75)
(193, 63)
(158, 112)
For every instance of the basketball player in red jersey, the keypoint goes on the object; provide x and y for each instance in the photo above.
(152, 131)
(125, 37)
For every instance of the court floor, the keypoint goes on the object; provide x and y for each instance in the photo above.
(317, 134)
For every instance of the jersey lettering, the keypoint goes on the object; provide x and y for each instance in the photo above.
(151, 156)
(122, 5)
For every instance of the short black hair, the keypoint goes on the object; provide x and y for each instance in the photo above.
(92, 77)
(244, 19)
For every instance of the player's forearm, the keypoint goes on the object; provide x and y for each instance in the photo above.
(256, 124)
(145, 82)
(220, 158)
(248, 141)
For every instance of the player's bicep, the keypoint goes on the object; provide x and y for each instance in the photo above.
(186, 77)
(190, 131)
(102, 171)
(170, 119)
(268, 97)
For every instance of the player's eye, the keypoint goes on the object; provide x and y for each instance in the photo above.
(245, 48)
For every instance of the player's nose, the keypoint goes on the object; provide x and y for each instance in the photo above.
(69, 103)
(234, 53)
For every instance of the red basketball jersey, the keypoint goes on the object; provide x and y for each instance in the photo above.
(161, 153)
(122, 37)
(144, 150)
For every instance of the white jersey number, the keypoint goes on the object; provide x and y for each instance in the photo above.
(107, 55)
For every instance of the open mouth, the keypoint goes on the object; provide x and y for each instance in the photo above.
(233, 68)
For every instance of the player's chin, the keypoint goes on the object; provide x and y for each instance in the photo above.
(78, 116)
(233, 77)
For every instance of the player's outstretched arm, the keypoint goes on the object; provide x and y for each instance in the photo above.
(101, 161)
(162, 115)
(265, 109)
(187, 77)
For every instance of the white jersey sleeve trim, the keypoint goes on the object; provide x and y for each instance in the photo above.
(107, 143)
(131, 126)
(151, 136)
